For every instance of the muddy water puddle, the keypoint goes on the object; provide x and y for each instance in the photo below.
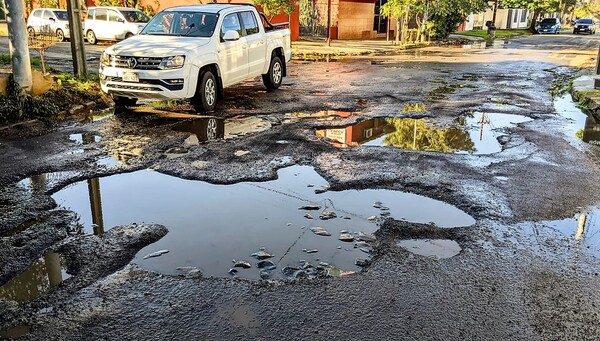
(44, 274)
(434, 248)
(474, 134)
(581, 125)
(293, 224)
(583, 228)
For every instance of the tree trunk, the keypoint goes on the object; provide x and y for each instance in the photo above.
(19, 50)
(397, 31)
(536, 13)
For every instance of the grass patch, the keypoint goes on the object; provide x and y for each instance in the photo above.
(5, 60)
(499, 33)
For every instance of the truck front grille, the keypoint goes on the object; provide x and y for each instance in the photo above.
(142, 63)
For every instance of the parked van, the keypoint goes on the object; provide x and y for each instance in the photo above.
(113, 23)
(49, 20)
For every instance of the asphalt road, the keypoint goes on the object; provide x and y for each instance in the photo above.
(523, 270)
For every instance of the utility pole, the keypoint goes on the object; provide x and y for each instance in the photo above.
(77, 47)
(328, 22)
(19, 50)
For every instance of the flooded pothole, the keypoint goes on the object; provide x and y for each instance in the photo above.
(434, 248)
(84, 138)
(212, 128)
(474, 134)
(581, 125)
(212, 228)
(42, 183)
(44, 274)
(583, 228)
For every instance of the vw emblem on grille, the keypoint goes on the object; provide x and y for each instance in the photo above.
(131, 62)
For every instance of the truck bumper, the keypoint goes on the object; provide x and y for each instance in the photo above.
(150, 84)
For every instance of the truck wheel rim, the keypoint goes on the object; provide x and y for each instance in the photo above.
(209, 92)
(211, 129)
(276, 73)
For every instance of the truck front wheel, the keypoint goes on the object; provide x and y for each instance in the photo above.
(205, 98)
(273, 78)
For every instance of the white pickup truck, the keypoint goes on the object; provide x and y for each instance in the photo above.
(193, 52)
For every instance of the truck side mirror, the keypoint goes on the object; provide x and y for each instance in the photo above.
(231, 35)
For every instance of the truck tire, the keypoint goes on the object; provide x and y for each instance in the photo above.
(273, 78)
(121, 101)
(205, 98)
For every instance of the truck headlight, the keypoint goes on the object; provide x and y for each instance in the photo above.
(174, 62)
(105, 59)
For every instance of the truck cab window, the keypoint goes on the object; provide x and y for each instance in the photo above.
(231, 22)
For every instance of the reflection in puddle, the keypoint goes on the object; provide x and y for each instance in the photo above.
(211, 128)
(44, 182)
(84, 138)
(436, 248)
(585, 230)
(44, 274)
(476, 134)
(209, 225)
(580, 124)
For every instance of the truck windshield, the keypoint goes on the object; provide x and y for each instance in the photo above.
(172, 23)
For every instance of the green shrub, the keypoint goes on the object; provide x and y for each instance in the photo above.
(17, 105)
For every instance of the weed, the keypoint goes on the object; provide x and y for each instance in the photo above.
(17, 105)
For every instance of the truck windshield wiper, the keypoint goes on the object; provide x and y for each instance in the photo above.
(189, 29)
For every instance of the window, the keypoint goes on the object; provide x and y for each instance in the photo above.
(61, 15)
(231, 23)
(101, 14)
(37, 13)
(194, 24)
(379, 22)
(113, 16)
(249, 21)
(135, 16)
(2, 15)
(48, 15)
(90, 14)
(523, 16)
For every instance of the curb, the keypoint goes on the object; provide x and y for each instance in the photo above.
(583, 92)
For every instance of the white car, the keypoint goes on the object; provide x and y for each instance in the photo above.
(113, 23)
(49, 20)
(193, 52)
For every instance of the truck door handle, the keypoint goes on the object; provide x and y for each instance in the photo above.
(244, 47)
(261, 42)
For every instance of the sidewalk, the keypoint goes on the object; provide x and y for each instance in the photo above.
(309, 49)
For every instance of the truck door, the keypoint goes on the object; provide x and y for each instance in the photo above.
(233, 55)
(257, 44)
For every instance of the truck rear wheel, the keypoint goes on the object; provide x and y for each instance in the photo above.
(205, 98)
(273, 78)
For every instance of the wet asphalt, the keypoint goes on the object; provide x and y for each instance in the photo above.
(515, 278)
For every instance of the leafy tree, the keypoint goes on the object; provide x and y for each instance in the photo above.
(273, 7)
(434, 17)
(399, 9)
(537, 6)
